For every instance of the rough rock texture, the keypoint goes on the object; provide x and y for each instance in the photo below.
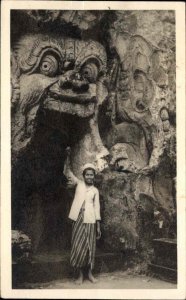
(103, 83)
(60, 75)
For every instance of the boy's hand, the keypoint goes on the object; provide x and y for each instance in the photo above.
(98, 231)
(68, 151)
(98, 234)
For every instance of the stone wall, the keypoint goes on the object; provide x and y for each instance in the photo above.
(108, 92)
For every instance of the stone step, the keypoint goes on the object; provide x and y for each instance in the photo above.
(47, 267)
(164, 273)
(164, 263)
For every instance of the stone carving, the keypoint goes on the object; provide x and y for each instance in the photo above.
(141, 80)
(126, 157)
(139, 134)
(113, 104)
(63, 75)
(83, 19)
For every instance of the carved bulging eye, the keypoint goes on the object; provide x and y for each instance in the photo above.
(90, 72)
(49, 65)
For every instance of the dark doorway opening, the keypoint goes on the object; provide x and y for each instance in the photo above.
(40, 198)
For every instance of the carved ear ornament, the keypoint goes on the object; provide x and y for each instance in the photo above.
(141, 63)
(145, 90)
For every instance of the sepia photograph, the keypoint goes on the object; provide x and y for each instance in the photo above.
(93, 109)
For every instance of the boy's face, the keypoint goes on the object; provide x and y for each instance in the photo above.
(89, 177)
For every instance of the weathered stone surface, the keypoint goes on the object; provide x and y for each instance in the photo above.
(105, 81)
(83, 19)
(56, 74)
(154, 26)
(119, 211)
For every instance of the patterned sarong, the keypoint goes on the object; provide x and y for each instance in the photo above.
(83, 243)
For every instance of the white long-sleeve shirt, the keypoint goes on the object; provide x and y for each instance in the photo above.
(83, 193)
(89, 195)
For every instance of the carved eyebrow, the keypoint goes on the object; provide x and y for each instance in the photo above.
(93, 51)
(30, 60)
(36, 60)
(87, 59)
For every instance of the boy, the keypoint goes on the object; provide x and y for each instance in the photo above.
(85, 213)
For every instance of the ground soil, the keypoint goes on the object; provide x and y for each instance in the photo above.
(114, 280)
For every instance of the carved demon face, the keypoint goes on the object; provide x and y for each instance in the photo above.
(64, 75)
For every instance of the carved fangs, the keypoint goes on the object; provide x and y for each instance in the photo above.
(71, 97)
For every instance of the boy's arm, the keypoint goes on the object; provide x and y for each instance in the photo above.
(97, 206)
(97, 213)
(98, 229)
(71, 178)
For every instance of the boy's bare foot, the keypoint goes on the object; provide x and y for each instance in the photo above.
(91, 277)
(79, 281)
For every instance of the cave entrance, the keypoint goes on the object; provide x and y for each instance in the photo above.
(40, 199)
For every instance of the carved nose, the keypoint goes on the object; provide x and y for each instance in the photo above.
(65, 82)
(74, 82)
(80, 85)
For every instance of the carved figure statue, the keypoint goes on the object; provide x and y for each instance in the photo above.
(140, 119)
